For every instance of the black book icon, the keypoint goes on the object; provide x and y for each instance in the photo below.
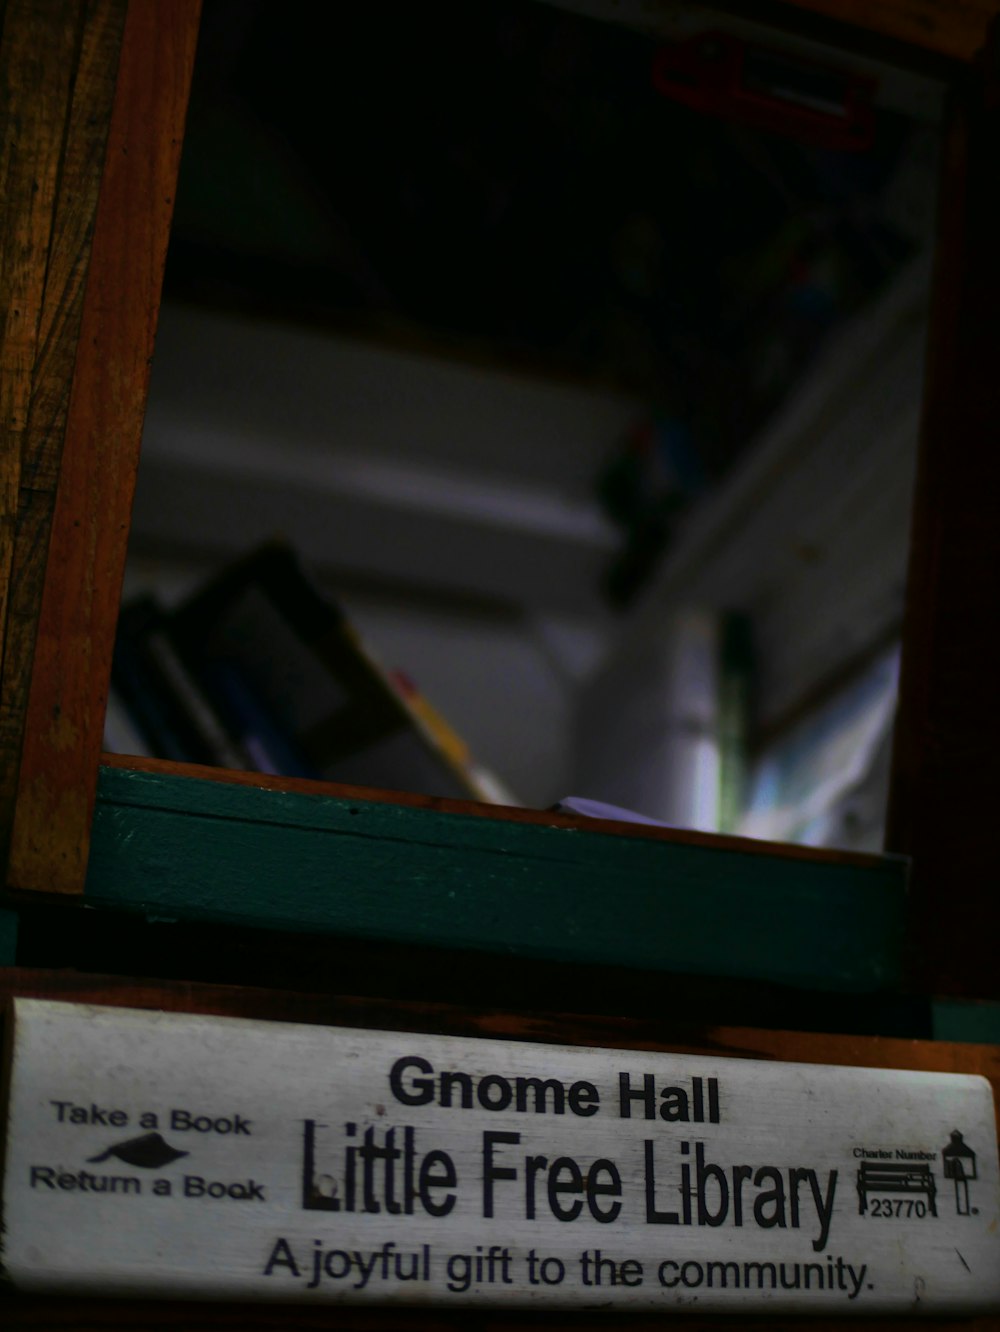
(149, 1151)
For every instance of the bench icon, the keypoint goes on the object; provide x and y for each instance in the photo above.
(896, 1177)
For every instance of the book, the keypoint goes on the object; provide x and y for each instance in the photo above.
(154, 698)
(301, 690)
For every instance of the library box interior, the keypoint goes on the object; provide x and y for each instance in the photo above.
(179, 887)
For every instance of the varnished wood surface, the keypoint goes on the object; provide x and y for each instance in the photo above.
(35, 1312)
(942, 802)
(57, 71)
(83, 575)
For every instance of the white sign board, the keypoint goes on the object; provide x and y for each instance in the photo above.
(173, 1155)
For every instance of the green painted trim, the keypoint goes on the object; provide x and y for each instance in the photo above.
(190, 849)
(960, 1020)
(8, 937)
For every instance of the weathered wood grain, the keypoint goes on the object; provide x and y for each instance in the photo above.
(80, 169)
(38, 64)
(25, 576)
(36, 82)
(72, 656)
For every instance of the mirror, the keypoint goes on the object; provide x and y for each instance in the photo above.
(582, 370)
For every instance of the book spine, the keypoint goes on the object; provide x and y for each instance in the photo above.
(224, 750)
(269, 748)
(146, 705)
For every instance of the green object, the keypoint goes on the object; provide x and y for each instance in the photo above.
(8, 938)
(959, 1020)
(182, 848)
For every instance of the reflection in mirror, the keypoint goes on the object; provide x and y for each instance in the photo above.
(579, 363)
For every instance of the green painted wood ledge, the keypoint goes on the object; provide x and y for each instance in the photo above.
(183, 847)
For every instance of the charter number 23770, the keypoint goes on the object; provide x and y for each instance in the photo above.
(898, 1207)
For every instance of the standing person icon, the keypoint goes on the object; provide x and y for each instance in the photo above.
(959, 1163)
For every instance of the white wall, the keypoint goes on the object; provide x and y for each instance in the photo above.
(449, 507)
(376, 461)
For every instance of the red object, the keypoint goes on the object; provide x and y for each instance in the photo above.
(721, 76)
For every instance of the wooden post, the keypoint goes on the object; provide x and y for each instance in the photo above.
(58, 61)
(106, 390)
(943, 809)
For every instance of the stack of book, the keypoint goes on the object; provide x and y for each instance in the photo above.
(259, 670)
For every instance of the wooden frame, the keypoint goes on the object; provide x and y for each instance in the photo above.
(58, 66)
(75, 384)
(60, 715)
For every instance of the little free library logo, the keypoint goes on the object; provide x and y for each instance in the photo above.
(392, 1168)
(660, 1182)
(147, 1153)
